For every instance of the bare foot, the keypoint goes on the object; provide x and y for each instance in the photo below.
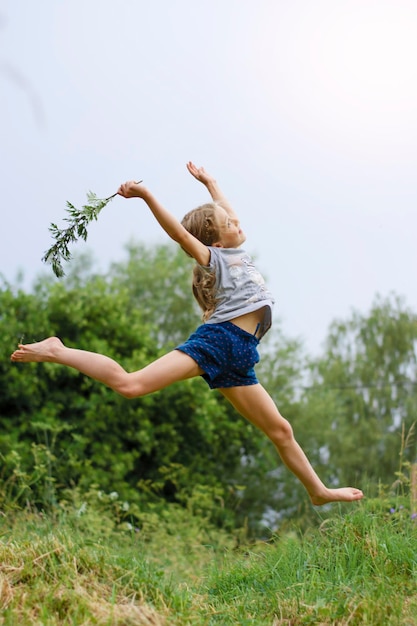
(45, 350)
(344, 494)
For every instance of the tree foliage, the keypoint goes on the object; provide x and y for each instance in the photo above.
(364, 388)
(186, 444)
(82, 433)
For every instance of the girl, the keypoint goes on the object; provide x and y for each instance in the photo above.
(236, 312)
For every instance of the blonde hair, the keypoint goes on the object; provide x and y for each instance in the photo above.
(203, 225)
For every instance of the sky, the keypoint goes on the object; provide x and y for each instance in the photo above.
(305, 112)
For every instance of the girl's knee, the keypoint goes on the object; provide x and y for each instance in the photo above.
(282, 433)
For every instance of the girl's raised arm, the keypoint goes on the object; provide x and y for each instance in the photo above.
(212, 187)
(169, 223)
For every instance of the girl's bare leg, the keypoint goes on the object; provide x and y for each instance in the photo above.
(256, 405)
(170, 368)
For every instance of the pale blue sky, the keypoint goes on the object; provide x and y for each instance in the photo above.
(305, 112)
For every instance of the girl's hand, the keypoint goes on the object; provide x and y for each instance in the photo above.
(200, 173)
(132, 189)
(212, 187)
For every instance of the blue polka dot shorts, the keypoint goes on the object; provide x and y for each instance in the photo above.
(226, 353)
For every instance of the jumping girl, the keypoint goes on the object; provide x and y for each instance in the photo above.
(237, 310)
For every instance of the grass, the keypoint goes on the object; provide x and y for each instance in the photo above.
(359, 567)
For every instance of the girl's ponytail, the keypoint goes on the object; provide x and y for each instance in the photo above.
(202, 224)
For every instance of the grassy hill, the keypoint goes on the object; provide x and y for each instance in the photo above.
(84, 566)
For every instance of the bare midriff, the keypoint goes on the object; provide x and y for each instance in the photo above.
(250, 321)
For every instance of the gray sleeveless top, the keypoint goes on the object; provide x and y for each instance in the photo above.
(239, 287)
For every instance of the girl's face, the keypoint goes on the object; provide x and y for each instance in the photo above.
(231, 235)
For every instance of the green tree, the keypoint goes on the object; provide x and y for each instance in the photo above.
(363, 392)
(81, 433)
(61, 429)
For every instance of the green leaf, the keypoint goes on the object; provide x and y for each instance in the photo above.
(78, 221)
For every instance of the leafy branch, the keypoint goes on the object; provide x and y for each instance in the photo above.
(77, 229)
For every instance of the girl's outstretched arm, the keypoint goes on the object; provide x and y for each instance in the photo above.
(169, 223)
(212, 187)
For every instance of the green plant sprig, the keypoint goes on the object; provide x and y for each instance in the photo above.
(77, 229)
